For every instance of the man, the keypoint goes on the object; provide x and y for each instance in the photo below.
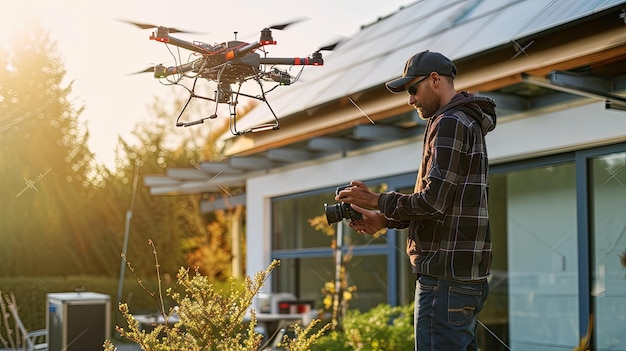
(448, 242)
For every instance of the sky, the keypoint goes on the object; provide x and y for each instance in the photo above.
(100, 50)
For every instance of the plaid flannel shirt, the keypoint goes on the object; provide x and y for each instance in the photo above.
(447, 214)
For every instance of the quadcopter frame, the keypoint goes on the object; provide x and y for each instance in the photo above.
(229, 63)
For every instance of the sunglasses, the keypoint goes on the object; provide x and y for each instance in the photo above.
(412, 90)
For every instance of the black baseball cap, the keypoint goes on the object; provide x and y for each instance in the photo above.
(422, 64)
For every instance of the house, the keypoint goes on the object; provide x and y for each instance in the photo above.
(557, 71)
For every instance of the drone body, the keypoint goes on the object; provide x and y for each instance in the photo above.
(229, 65)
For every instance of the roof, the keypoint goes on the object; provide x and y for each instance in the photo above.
(457, 28)
(488, 39)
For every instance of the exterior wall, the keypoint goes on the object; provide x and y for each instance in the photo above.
(572, 128)
(260, 190)
(565, 130)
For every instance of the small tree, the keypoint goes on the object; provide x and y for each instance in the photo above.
(45, 164)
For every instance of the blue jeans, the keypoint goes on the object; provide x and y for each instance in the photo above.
(445, 313)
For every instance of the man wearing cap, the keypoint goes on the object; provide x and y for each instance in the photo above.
(448, 243)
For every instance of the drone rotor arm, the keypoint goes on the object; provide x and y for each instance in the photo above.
(162, 36)
(245, 49)
(162, 71)
(293, 61)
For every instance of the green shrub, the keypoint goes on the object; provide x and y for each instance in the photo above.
(383, 328)
(210, 320)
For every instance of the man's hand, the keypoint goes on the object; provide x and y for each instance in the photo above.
(358, 194)
(370, 223)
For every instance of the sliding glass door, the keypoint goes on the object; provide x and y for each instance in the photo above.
(607, 197)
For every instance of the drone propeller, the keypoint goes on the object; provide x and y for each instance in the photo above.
(285, 25)
(150, 69)
(147, 70)
(152, 26)
(281, 26)
(330, 47)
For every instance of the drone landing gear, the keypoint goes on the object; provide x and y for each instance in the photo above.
(260, 127)
(193, 123)
(224, 94)
(192, 94)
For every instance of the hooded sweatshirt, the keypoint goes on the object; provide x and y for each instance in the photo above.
(447, 213)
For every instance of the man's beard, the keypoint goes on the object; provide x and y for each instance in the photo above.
(427, 107)
(423, 113)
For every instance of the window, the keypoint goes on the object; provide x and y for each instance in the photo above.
(307, 254)
(290, 221)
(305, 278)
(608, 225)
(558, 229)
(533, 299)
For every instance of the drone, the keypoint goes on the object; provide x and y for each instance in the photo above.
(229, 64)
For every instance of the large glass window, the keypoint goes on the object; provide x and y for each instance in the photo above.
(306, 277)
(493, 333)
(608, 224)
(535, 300)
(306, 246)
(534, 283)
(293, 227)
(290, 221)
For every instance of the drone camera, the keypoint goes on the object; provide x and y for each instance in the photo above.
(281, 77)
(223, 94)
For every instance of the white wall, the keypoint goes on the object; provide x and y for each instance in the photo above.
(259, 191)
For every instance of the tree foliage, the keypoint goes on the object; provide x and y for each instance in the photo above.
(63, 214)
(45, 163)
(167, 220)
